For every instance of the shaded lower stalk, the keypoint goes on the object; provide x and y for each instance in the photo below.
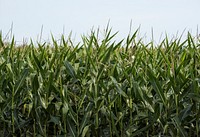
(13, 119)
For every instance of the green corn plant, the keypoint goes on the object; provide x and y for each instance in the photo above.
(100, 87)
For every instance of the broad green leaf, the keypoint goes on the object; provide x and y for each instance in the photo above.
(72, 128)
(85, 130)
(178, 126)
(70, 69)
(21, 80)
(156, 85)
(119, 90)
(54, 119)
(86, 117)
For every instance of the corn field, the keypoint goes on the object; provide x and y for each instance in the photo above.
(100, 88)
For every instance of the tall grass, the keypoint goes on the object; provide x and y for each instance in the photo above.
(100, 88)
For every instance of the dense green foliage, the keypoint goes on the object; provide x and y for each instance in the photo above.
(100, 88)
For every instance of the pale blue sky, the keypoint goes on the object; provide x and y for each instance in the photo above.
(79, 16)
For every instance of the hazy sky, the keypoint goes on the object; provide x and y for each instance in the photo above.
(79, 16)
